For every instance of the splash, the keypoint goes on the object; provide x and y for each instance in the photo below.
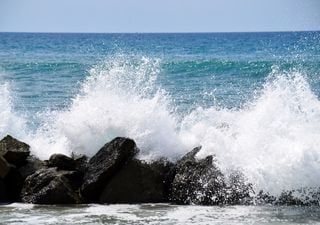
(119, 98)
(10, 121)
(274, 139)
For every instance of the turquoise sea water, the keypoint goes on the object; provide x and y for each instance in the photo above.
(47, 68)
(251, 99)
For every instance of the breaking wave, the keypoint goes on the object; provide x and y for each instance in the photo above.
(273, 139)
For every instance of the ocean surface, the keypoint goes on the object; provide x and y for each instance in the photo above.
(251, 99)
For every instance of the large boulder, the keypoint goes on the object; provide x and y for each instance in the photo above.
(81, 162)
(52, 186)
(4, 167)
(14, 151)
(13, 182)
(103, 165)
(62, 162)
(138, 182)
(31, 166)
(198, 181)
(10, 182)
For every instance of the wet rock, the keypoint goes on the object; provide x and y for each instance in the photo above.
(10, 182)
(4, 167)
(102, 166)
(168, 171)
(81, 162)
(264, 198)
(14, 151)
(198, 181)
(31, 166)
(52, 186)
(62, 162)
(238, 190)
(138, 182)
(3, 191)
(13, 182)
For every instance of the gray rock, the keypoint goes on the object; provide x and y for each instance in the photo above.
(103, 165)
(14, 151)
(52, 186)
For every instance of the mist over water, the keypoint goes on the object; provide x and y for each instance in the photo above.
(269, 128)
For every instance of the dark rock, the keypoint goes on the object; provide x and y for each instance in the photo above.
(168, 171)
(4, 167)
(264, 198)
(288, 198)
(52, 186)
(198, 181)
(31, 166)
(3, 191)
(10, 182)
(137, 182)
(81, 162)
(238, 191)
(14, 151)
(62, 162)
(14, 183)
(102, 166)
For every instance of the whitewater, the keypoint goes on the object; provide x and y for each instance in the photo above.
(273, 139)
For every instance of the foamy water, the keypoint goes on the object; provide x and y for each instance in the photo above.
(157, 214)
(273, 139)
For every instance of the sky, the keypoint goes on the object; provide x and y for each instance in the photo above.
(105, 16)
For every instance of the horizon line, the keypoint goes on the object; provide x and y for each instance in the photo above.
(158, 32)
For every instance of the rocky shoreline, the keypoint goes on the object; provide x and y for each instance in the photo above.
(115, 175)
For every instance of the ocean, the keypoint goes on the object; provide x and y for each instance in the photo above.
(251, 99)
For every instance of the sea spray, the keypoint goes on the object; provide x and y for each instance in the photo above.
(273, 139)
(10, 121)
(118, 98)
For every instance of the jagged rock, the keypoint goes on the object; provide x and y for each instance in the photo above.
(138, 182)
(4, 167)
(103, 165)
(52, 186)
(31, 166)
(62, 162)
(14, 151)
(198, 181)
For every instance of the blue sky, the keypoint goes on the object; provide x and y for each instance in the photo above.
(158, 16)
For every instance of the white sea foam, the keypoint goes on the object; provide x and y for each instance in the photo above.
(10, 122)
(274, 139)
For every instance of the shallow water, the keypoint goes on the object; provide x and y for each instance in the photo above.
(157, 214)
